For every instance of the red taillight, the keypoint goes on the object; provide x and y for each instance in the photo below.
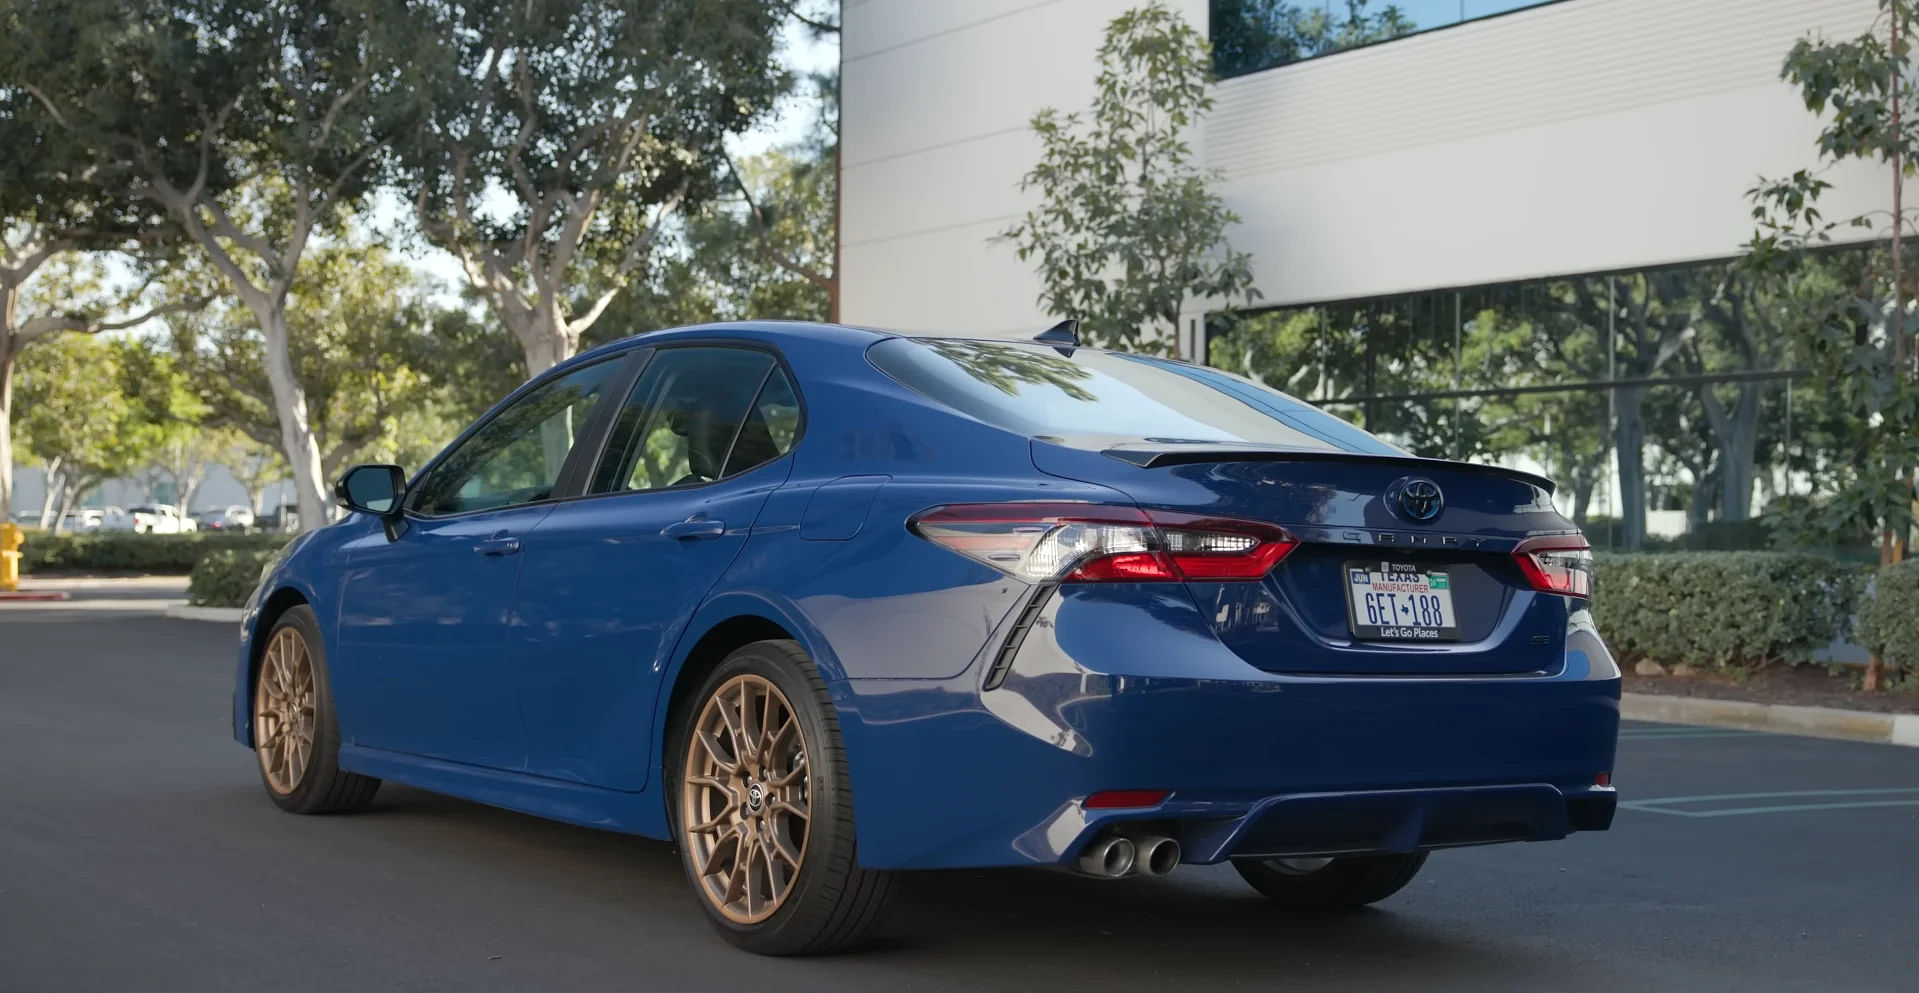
(1118, 799)
(1557, 564)
(1083, 542)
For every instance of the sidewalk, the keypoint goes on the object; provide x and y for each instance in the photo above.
(135, 593)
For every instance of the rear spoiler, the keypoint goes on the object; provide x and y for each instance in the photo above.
(1151, 456)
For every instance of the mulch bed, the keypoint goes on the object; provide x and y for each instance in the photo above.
(1803, 685)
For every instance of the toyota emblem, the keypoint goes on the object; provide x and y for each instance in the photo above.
(1420, 500)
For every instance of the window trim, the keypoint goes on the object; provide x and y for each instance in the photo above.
(562, 491)
(589, 470)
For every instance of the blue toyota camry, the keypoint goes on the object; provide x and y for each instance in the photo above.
(820, 603)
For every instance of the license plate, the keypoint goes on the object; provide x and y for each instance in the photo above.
(1394, 601)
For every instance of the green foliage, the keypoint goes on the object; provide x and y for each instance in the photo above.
(1728, 610)
(389, 373)
(122, 551)
(1852, 334)
(1128, 227)
(1249, 35)
(1889, 619)
(225, 577)
(559, 135)
(74, 408)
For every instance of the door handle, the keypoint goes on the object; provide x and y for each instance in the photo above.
(498, 545)
(701, 528)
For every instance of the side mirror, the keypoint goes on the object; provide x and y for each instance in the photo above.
(372, 489)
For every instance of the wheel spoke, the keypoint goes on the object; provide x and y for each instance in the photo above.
(778, 844)
(793, 775)
(734, 721)
(711, 743)
(796, 807)
(716, 858)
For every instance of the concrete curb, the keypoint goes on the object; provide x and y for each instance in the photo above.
(224, 615)
(1779, 718)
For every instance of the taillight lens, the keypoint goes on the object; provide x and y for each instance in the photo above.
(1558, 564)
(1079, 542)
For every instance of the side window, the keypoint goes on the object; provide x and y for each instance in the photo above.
(770, 425)
(517, 456)
(693, 417)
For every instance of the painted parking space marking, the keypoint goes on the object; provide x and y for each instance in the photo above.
(1689, 806)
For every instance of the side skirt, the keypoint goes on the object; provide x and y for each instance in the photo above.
(639, 813)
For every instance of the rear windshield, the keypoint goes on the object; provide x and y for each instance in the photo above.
(1041, 390)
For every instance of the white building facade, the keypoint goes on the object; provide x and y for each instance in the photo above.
(1510, 145)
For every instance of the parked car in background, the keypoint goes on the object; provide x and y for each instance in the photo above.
(234, 518)
(160, 519)
(95, 519)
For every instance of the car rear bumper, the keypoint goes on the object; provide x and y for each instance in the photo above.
(1127, 688)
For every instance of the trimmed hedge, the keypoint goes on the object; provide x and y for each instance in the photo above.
(1889, 620)
(226, 577)
(124, 551)
(1728, 610)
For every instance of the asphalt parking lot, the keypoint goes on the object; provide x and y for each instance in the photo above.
(137, 854)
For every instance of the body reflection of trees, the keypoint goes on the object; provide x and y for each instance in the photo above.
(1006, 368)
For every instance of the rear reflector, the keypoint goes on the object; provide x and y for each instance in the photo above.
(1603, 779)
(1557, 564)
(1124, 799)
(1094, 543)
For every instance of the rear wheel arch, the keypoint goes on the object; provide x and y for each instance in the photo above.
(722, 625)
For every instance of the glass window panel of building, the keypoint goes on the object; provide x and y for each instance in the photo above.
(1662, 402)
(1250, 35)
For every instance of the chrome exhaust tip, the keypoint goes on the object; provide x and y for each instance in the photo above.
(1108, 858)
(1155, 855)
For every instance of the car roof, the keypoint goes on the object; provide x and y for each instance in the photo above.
(853, 335)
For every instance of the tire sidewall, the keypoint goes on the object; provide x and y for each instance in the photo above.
(826, 791)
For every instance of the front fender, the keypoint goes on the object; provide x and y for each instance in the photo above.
(292, 572)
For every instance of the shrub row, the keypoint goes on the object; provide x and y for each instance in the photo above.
(225, 577)
(122, 551)
(1724, 609)
(1889, 620)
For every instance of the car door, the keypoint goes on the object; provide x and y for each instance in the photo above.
(610, 581)
(426, 616)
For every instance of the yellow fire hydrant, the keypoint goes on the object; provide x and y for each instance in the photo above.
(11, 538)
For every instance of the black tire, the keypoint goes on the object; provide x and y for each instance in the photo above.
(324, 788)
(833, 903)
(1351, 881)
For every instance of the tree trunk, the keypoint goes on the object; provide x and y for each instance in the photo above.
(70, 490)
(6, 429)
(296, 430)
(544, 338)
(1699, 508)
(1629, 440)
(51, 476)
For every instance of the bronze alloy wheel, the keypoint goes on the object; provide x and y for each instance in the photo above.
(744, 799)
(283, 711)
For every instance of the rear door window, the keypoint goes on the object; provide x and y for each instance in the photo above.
(1042, 390)
(699, 414)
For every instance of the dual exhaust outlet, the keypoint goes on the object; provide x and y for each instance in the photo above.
(1111, 856)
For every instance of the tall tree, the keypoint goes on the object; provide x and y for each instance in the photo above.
(1858, 346)
(560, 135)
(1128, 229)
(48, 286)
(76, 416)
(368, 346)
(249, 123)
